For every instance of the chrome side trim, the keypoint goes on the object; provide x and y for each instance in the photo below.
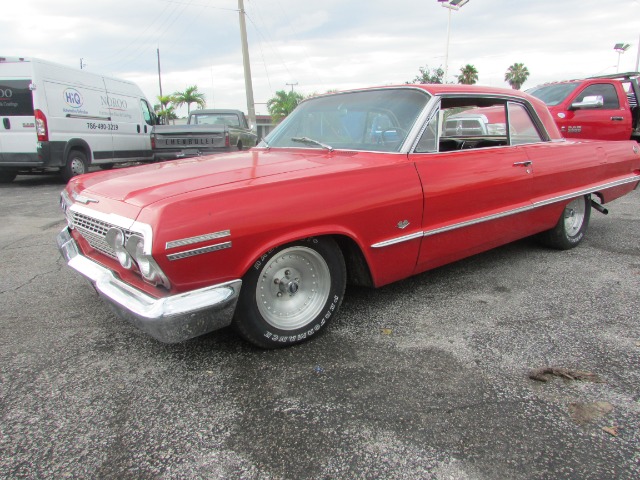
(469, 223)
(506, 213)
(617, 183)
(199, 251)
(393, 241)
(198, 239)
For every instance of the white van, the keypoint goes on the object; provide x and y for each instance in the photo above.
(53, 116)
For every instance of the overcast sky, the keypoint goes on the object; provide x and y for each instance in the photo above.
(332, 44)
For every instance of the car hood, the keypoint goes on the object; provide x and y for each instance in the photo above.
(146, 184)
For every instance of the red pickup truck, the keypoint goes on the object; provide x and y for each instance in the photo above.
(604, 107)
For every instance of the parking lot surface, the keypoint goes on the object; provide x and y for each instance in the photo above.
(425, 378)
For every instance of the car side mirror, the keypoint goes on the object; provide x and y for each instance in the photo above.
(590, 101)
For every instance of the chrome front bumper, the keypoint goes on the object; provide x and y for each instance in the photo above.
(168, 319)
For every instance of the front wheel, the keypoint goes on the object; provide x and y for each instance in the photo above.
(291, 293)
(571, 227)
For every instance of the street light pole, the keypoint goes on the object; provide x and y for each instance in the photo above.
(248, 84)
(450, 5)
(620, 48)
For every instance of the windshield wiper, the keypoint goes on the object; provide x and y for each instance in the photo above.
(311, 141)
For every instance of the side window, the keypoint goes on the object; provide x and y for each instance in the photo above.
(427, 142)
(521, 127)
(146, 112)
(606, 90)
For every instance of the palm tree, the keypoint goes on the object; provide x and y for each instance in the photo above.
(468, 75)
(164, 110)
(516, 75)
(283, 104)
(189, 96)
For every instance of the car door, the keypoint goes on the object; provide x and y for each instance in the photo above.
(475, 197)
(610, 121)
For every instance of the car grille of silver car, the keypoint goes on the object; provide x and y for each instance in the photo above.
(94, 232)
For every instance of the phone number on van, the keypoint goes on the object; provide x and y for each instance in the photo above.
(102, 126)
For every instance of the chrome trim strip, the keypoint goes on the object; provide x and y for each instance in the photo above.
(617, 183)
(469, 223)
(393, 241)
(199, 251)
(495, 216)
(200, 238)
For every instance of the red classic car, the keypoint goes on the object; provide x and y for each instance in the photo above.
(365, 186)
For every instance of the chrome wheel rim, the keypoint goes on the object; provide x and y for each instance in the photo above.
(77, 166)
(574, 216)
(293, 288)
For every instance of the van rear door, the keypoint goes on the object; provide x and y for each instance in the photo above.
(18, 139)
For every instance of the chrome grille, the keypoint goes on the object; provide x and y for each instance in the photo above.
(94, 232)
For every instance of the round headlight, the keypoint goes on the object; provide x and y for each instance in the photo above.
(116, 240)
(135, 247)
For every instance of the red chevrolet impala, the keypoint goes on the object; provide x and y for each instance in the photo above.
(368, 187)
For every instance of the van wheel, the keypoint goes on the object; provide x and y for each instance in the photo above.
(239, 145)
(7, 176)
(76, 165)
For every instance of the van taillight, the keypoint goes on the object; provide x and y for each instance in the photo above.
(226, 139)
(41, 126)
(153, 142)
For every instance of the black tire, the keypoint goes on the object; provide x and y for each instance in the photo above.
(571, 227)
(239, 146)
(7, 176)
(291, 293)
(76, 165)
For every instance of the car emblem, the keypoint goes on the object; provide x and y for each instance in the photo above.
(403, 224)
(85, 200)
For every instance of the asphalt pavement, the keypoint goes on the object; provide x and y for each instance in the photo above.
(426, 378)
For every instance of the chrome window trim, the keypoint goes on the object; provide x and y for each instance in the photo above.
(506, 213)
(200, 238)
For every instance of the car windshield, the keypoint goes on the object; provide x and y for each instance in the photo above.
(372, 120)
(553, 94)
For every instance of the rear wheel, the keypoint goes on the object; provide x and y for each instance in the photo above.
(291, 293)
(571, 226)
(76, 165)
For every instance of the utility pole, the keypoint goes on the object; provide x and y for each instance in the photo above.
(292, 84)
(159, 77)
(82, 64)
(248, 85)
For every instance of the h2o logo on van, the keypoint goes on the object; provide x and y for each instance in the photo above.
(72, 97)
(5, 93)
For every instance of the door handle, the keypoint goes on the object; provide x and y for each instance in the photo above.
(526, 163)
(145, 129)
(6, 123)
(138, 127)
(618, 119)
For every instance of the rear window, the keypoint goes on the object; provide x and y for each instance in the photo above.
(15, 98)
